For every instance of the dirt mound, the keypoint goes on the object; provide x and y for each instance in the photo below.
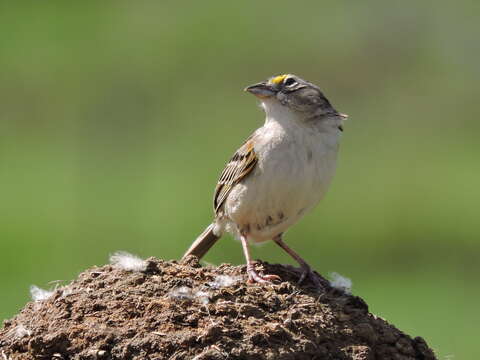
(185, 311)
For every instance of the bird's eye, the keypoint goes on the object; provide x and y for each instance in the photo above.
(290, 82)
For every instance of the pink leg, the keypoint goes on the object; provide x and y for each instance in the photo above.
(306, 270)
(253, 276)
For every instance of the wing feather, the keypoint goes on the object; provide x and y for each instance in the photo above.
(240, 165)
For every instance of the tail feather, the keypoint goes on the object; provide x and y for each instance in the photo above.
(203, 243)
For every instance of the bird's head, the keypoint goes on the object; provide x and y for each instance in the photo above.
(296, 94)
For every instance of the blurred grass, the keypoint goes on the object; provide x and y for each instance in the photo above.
(116, 119)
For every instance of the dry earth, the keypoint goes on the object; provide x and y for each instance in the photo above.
(173, 310)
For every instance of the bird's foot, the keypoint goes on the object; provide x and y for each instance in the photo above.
(307, 272)
(255, 277)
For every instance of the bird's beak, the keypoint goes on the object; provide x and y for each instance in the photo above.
(261, 90)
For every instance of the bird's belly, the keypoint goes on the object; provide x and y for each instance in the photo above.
(278, 194)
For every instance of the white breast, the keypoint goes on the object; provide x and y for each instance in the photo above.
(295, 166)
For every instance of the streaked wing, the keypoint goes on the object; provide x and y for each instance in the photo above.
(240, 165)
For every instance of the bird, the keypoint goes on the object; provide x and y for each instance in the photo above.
(280, 172)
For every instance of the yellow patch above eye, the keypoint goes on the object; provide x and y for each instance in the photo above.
(278, 79)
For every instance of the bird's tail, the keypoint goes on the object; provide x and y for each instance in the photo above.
(203, 243)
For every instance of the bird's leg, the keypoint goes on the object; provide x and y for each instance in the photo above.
(306, 269)
(253, 276)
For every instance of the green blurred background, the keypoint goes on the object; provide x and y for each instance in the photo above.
(116, 119)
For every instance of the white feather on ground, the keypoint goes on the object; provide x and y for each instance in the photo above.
(186, 293)
(19, 332)
(181, 293)
(39, 294)
(202, 296)
(127, 261)
(224, 281)
(341, 282)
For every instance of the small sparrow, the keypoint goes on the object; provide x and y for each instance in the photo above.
(279, 174)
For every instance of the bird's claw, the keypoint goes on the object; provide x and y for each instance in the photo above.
(254, 277)
(308, 272)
